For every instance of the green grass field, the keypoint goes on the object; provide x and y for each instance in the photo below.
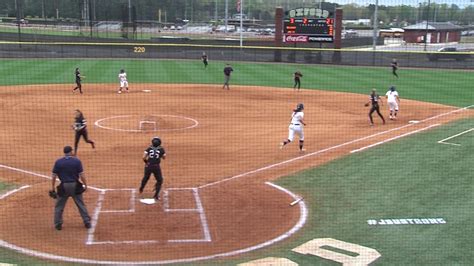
(413, 177)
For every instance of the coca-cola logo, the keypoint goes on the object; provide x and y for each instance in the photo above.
(296, 38)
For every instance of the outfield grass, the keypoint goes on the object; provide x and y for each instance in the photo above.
(430, 85)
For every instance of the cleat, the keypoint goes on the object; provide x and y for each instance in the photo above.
(58, 227)
(87, 225)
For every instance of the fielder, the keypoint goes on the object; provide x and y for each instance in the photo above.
(374, 99)
(122, 76)
(394, 66)
(393, 100)
(77, 73)
(296, 127)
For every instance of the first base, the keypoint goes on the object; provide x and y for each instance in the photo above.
(148, 201)
(146, 90)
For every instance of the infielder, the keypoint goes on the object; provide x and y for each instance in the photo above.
(227, 71)
(122, 76)
(77, 73)
(80, 127)
(296, 127)
(393, 100)
(152, 158)
(297, 78)
(374, 99)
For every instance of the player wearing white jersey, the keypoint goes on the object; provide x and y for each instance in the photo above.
(296, 126)
(123, 81)
(393, 100)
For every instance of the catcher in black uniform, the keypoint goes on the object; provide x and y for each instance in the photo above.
(80, 126)
(374, 99)
(152, 158)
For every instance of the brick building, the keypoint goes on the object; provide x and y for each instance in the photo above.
(436, 32)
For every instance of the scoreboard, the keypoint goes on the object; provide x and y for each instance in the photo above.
(303, 27)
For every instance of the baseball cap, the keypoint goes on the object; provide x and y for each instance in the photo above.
(67, 149)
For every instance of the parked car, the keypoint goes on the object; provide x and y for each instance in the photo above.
(449, 53)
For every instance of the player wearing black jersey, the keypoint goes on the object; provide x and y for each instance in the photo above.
(394, 67)
(374, 99)
(80, 126)
(227, 71)
(78, 81)
(297, 77)
(152, 158)
(204, 59)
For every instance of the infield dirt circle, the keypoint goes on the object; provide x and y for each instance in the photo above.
(222, 146)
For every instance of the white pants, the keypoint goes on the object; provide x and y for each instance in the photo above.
(393, 106)
(124, 84)
(295, 129)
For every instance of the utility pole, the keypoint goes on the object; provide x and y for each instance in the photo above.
(426, 31)
(226, 15)
(374, 34)
(215, 13)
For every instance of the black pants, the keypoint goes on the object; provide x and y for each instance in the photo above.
(78, 86)
(205, 63)
(375, 108)
(83, 133)
(156, 171)
(394, 72)
(297, 83)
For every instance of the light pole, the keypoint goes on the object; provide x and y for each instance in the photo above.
(426, 30)
(374, 34)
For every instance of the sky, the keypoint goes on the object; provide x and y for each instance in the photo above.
(460, 3)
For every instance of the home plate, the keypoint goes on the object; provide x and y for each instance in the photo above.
(413, 121)
(148, 201)
(146, 90)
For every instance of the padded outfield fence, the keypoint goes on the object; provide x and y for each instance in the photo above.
(230, 53)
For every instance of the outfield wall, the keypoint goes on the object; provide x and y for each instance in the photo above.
(227, 53)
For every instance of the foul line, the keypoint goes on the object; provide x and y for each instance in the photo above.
(443, 141)
(394, 138)
(12, 191)
(39, 175)
(330, 148)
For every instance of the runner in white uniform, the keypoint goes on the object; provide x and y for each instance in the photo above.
(123, 81)
(296, 127)
(393, 100)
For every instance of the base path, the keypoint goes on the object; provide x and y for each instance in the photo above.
(223, 148)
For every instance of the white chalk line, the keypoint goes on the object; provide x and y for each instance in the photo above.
(195, 123)
(394, 138)
(443, 141)
(302, 220)
(329, 148)
(294, 229)
(8, 193)
(95, 218)
(36, 174)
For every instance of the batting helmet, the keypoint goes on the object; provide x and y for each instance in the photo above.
(156, 142)
(300, 106)
(392, 88)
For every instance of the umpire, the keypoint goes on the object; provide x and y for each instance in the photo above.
(69, 170)
(152, 158)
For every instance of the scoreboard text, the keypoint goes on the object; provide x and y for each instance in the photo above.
(303, 26)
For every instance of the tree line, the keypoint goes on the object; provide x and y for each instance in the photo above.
(208, 10)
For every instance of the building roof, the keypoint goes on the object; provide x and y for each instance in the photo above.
(434, 26)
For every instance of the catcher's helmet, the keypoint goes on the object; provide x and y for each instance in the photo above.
(300, 106)
(156, 141)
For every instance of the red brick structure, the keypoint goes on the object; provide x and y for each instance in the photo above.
(436, 32)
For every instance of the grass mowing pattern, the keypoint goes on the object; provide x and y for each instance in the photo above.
(408, 178)
(429, 85)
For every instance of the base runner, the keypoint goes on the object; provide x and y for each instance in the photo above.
(296, 127)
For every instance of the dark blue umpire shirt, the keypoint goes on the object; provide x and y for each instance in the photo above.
(68, 169)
